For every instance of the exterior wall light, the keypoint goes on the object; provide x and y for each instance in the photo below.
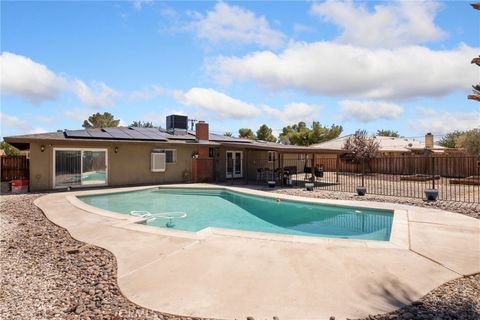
(42, 148)
(116, 149)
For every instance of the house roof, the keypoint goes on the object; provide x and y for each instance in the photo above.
(386, 144)
(149, 135)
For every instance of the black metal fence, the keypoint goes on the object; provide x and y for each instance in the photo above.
(456, 178)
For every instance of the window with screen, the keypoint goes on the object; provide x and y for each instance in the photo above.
(170, 154)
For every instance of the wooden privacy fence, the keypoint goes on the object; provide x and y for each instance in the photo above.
(445, 166)
(14, 167)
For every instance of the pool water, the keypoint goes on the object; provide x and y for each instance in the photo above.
(233, 210)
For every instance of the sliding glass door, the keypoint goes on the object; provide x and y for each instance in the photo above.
(80, 167)
(68, 168)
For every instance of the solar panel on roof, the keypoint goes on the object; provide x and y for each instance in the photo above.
(99, 134)
(77, 134)
(151, 133)
(120, 133)
(117, 133)
(134, 134)
(186, 136)
(217, 137)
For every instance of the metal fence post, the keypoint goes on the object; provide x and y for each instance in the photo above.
(433, 171)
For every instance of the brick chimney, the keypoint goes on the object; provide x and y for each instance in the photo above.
(201, 131)
(202, 164)
(429, 141)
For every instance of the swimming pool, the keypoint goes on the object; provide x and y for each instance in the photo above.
(193, 209)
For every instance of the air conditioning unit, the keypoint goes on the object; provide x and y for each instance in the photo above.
(158, 162)
(177, 125)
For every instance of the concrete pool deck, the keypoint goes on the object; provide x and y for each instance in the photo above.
(231, 274)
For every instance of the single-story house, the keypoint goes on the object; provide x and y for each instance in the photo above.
(135, 156)
(390, 146)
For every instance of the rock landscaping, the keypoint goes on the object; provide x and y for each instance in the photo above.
(46, 274)
(457, 299)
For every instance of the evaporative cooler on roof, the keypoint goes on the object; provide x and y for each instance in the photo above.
(177, 124)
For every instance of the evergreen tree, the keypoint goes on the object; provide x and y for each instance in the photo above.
(246, 133)
(98, 120)
(300, 134)
(388, 133)
(265, 133)
(142, 124)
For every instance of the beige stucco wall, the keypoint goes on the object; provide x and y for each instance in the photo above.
(130, 166)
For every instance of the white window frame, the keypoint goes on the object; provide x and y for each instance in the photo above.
(81, 166)
(174, 156)
(233, 175)
(272, 156)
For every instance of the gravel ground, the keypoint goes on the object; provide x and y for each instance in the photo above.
(46, 274)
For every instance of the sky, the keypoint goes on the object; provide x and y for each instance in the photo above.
(402, 66)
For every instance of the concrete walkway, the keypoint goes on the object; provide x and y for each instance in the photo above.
(233, 274)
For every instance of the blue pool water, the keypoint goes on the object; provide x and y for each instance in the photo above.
(233, 210)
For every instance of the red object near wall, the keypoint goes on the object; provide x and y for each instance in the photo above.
(20, 183)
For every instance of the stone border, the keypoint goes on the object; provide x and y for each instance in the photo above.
(399, 237)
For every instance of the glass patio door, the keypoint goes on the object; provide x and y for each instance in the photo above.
(234, 164)
(80, 167)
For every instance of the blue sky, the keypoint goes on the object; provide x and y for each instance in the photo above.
(365, 65)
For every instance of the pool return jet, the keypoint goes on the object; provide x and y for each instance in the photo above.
(162, 215)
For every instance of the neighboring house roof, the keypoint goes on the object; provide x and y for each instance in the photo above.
(386, 144)
(144, 135)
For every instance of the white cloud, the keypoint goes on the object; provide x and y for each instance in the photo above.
(21, 76)
(147, 93)
(13, 124)
(301, 28)
(138, 4)
(37, 130)
(77, 114)
(217, 103)
(294, 112)
(230, 23)
(389, 25)
(326, 68)
(443, 121)
(367, 111)
(45, 119)
(98, 94)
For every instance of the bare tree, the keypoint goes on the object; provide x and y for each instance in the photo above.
(360, 148)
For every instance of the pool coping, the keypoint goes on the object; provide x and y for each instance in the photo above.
(399, 236)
